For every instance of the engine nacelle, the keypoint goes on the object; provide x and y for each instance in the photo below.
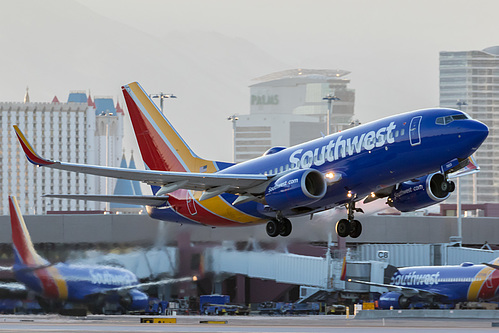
(135, 300)
(428, 190)
(296, 189)
(393, 299)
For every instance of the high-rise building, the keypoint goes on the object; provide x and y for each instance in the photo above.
(288, 108)
(61, 131)
(469, 80)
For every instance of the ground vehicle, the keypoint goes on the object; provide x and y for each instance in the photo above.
(278, 308)
(220, 305)
(157, 306)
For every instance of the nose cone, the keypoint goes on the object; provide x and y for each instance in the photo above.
(476, 132)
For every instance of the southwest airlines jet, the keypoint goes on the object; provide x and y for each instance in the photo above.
(440, 284)
(56, 284)
(406, 159)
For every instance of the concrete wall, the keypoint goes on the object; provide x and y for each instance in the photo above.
(143, 229)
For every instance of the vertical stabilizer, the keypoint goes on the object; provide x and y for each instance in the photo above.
(25, 253)
(162, 148)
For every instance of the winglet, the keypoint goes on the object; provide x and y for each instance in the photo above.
(344, 269)
(31, 155)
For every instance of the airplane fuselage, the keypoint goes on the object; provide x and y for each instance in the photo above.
(466, 282)
(79, 284)
(368, 158)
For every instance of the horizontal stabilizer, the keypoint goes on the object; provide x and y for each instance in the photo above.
(141, 200)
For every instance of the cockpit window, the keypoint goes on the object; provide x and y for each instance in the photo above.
(449, 119)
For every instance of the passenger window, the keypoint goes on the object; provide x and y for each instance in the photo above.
(402, 131)
(396, 134)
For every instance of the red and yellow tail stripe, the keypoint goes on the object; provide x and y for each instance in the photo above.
(32, 156)
(53, 284)
(163, 149)
(478, 287)
(161, 146)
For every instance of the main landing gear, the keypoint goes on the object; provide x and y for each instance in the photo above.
(349, 226)
(279, 226)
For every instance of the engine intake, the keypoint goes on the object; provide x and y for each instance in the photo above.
(296, 189)
(424, 192)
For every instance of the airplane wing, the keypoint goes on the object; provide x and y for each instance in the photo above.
(119, 290)
(141, 200)
(406, 291)
(14, 287)
(213, 183)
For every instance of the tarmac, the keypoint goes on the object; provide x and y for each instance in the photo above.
(207, 324)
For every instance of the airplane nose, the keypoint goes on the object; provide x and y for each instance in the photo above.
(477, 132)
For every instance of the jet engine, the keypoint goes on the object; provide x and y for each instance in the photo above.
(134, 300)
(420, 193)
(296, 189)
(395, 299)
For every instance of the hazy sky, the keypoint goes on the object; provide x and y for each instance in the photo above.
(391, 48)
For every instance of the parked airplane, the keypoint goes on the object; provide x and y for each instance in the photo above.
(439, 285)
(407, 158)
(59, 283)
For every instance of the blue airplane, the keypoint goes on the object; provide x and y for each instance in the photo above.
(56, 284)
(433, 285)
(407, 159)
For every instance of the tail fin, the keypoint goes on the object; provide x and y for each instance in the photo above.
(162, 148)
(25, 253)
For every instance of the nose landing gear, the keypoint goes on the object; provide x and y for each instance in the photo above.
(350, 226)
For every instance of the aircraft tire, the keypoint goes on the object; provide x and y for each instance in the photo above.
(272, 228)
(355, 229)
(285, 227)
(452, 186)
(343, 228)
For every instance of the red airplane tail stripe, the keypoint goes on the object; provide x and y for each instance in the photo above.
(21, 238)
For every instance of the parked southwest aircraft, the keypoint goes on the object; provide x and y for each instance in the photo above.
(440, 284)
(407, 158)
(60, 283)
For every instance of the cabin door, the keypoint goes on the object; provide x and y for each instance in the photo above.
(415, 131)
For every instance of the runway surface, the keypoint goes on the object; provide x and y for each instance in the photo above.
(302, 324)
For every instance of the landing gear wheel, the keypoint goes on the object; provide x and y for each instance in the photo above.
(356, 229)
(452, 186)
(272, 228)
(343, 228)
(285, 227)
(444, 186)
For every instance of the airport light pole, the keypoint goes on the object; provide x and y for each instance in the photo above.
(459, 214)
(161, 97)
(329, 98)
(234, 118)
